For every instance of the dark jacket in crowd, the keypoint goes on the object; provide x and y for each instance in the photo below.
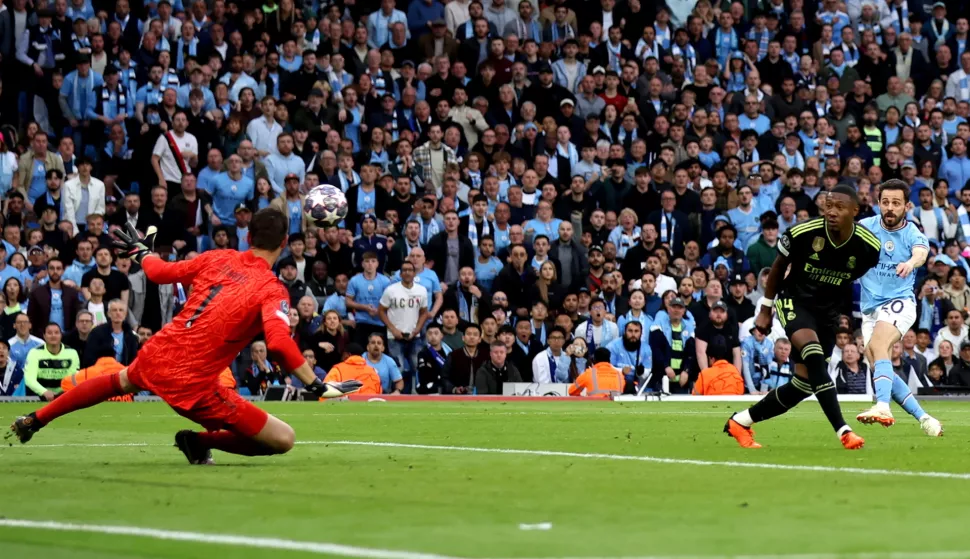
(489, 378)
(101, 343)
(39, 308)
(460, 368)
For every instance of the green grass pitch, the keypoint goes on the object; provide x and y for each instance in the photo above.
(402, 502)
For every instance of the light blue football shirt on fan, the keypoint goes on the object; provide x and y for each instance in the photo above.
(367, 292)
(881, 285)
(748, 224)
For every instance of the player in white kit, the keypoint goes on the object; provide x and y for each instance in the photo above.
(889, 304)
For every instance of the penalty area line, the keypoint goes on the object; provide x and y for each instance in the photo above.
(579, 455)
(341, 550)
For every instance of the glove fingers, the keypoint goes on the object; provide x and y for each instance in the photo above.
(132, 232)
(122, 237)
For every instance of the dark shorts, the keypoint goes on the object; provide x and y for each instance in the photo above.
(795, 315)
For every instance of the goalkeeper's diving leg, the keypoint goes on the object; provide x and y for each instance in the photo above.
(881, 340)
(103, 388)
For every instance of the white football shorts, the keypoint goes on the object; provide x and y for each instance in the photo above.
(901, 313)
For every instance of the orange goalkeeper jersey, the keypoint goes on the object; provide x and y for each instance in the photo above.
(235, 296)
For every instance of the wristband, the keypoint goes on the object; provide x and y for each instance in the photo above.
(765, 302)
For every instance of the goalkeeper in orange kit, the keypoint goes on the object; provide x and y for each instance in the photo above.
(235, 296)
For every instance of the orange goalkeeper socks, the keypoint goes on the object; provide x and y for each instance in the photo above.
(88, 393)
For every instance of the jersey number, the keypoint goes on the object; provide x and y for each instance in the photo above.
(208, 299)
(895, 306)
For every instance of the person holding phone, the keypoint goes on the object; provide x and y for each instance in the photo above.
(404, 310)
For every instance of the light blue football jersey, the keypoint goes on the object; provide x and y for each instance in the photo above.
(748, 224)
(881, 284)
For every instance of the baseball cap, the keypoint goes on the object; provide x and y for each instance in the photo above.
(110, 200)
(676, 302)
(939, 5)
(599, 70)
(736, 279)
(530, 126)
(908, 163)
(241, 208)
(944, 259)
(288, 261)
(719, 305)
(34, 250)
(597, 248)
(567, 102)
(438, 23)
(407, 63)
(292, 176)
(965, 345)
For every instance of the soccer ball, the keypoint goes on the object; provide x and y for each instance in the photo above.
(325, 205)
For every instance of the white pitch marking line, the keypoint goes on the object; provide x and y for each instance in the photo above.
(659, 460)
(225, 539)
(583, 455)
(324, 548)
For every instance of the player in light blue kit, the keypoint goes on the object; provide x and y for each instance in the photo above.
(889, 304)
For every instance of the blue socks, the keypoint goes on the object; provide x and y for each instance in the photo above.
(882, 380)
(902, 396)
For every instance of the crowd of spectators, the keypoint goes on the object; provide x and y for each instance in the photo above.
(527, 182)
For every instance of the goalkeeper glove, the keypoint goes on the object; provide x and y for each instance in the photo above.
(333, 389)
(130, 242)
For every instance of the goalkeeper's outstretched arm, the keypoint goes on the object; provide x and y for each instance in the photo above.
(162, 272)
(276, 327)
(139, 249)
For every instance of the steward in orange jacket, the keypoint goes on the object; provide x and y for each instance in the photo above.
(355, 368)
(109, 366)
(602, 380)
(103, 366)
(722, 378)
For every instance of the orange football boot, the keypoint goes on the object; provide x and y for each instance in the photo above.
(851, 441)
(744, 435)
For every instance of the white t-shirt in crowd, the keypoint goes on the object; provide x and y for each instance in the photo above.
(404, 305)
(170, 169)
